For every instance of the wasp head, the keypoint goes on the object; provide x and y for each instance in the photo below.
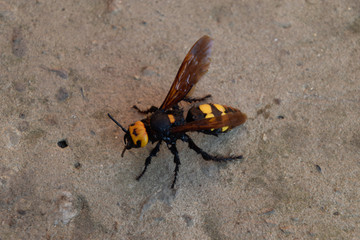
(135, 137)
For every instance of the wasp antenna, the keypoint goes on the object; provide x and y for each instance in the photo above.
(122, 154)
(117, 123)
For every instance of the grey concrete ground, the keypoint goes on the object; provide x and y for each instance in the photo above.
(292, 66)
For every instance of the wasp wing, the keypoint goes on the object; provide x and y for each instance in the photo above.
(194, 66)
(231, 119)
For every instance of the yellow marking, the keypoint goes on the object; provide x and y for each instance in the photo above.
(205, 108)
(209, 115)
(223, 129)
(220, 108)
(171, 118)
(138, 133)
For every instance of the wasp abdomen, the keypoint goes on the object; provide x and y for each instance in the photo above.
(209, 111)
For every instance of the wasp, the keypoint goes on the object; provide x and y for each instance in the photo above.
(168, 124)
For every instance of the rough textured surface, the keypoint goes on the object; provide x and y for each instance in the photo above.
(292, 66)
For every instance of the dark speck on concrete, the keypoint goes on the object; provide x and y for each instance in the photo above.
(188, 219)
(269, 211)
(18, 43)
(23, 126)
(21, 212)
(77, 165)
(284, 25)
(355, 25)
(20, 87)
(62, 94)
(159, 219)
(58, 72)
(82, 93)
(62, 143)
(277, 101)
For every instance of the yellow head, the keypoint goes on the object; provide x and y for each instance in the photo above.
(138, 134)
(135, 137)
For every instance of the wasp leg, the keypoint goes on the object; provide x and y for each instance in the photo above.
(190, 100)
(175, 152)
(150, 110)
(204, 154)
(148, 159)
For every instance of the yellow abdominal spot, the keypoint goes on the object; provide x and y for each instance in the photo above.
(138, 133)
(205, 108)
(171, 118)
(219, 107)
(223, 129)
(210, 115)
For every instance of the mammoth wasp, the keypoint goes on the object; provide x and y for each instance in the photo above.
(167, 123)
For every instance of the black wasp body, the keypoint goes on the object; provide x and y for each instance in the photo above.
(167, 123)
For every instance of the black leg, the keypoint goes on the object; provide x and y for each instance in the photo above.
(190, 100)
(150, 110)
(174, 151)
(148, 159)
(205, 155)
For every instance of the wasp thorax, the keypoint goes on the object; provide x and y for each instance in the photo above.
(138, 134)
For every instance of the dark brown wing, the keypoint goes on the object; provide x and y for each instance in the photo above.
(194, 66)
(231, 119)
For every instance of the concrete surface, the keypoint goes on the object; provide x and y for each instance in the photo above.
(292, 66)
